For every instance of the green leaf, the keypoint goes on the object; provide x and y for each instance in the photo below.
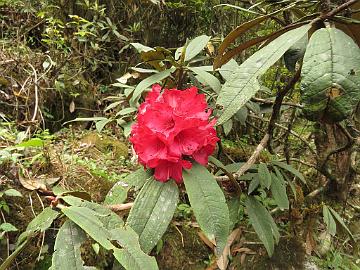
(330, 76)
(141, 48)
(290, 169)
(101, 124)
(67, 254)
(157, 77)
(278, 190)
(117, 194)
(88, 220)
(152, 211)
(195, 46)
(263, 224)
(329, 221)
(209, 205)
(43, 221)
(138, 178)
(108, 218)
(34, 142)
(243, 83)
(227, 69)
(131, 256)
(12, 192)
(40, 223)
(264, 175)
(341, 221)
(207, 78)
(7, 227)
(253, 184)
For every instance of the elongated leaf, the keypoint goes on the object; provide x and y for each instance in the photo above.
(67, 254)
(278, 190)
(264, 175)
(330, 76)
(138, 178)
(290, 169)
(239, 8)
(195, 46)
(152, 211)
(7, 227)
(243, 83)
(234, 34)
(117, 194)
(227, 69)
(208, 78)
(108, 218)
(329, 221)
(39, 224)
(209, 205)
(12, 192)
(263, 224)
(341, 221)
(88, 220)
(131, 256)
(157, 77)
(253, 184)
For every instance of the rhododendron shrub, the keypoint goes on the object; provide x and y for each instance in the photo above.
(172, 129)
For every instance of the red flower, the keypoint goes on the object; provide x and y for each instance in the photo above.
(172, 127)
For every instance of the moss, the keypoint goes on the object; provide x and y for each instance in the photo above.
(289, 254)
(105, 144)
(182, 251)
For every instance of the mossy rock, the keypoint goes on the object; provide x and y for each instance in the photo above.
(182, 251)
(106, 144)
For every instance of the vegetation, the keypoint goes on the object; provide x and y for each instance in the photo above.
(280, 191)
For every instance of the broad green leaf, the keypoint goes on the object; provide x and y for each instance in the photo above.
(138, 178)
(108, 218)
(290, 169)
(234, 207)
(207, 78)
(12, 192)
(195, 46)
(243, 83)
(131, 256)
(227, 126)
(329, 221)
(264, 175)
(88, 220)
(152, 211)
(330, 76)
(141, 48)
(155, 78)
(67, 254)
(40, 223)
(263, 224)
(43, 221)
(117, 194)
(227, 69)
(295, 52)
(253, 184)
(209, 205)
(341, 221)
(101, 124)
(7, 227)
(278, 190)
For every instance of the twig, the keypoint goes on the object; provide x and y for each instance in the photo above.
(268, 101)
(36, 93)
(120, 207)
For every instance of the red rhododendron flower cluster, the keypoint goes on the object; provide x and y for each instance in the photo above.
(172, 127)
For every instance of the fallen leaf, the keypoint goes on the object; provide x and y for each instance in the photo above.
(223, 260)
(206, 240)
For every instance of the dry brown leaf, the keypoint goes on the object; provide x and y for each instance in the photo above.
(206, 240)
(223, 260)
(310, 243)
(72, 107)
